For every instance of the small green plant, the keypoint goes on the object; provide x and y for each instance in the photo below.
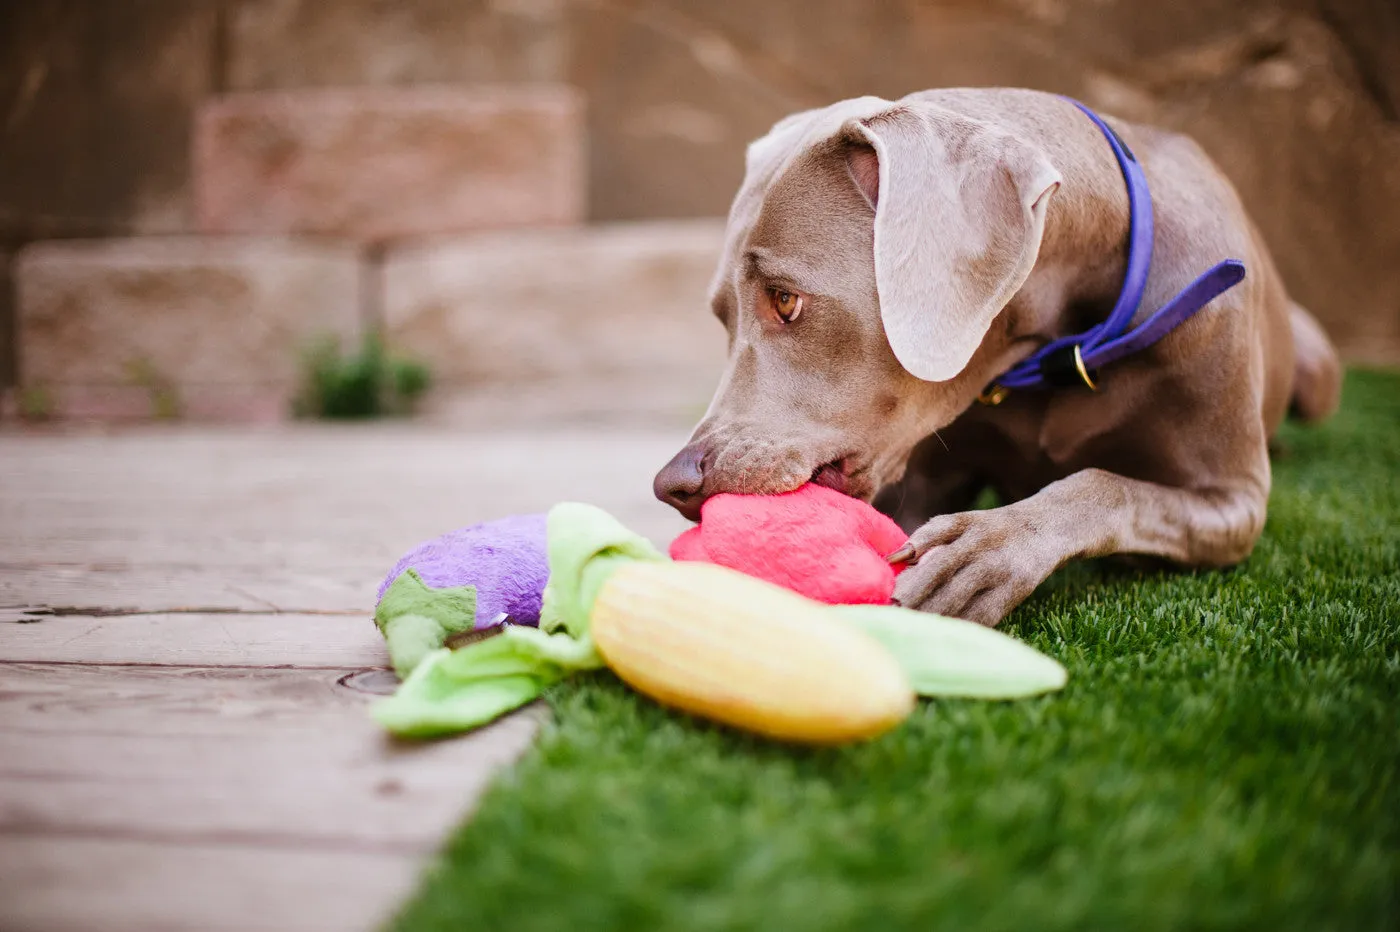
(164, 394)
(35, 403)
(370, 383)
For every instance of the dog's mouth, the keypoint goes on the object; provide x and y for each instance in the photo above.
(832, 475)
(849, 475)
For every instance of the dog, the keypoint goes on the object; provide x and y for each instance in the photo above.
(886, 262)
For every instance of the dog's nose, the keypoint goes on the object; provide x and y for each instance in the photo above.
(681, 482)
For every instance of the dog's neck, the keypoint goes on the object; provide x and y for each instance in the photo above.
(1083, 254)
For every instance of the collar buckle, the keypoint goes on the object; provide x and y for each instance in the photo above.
(1065, 367)
(993, 395)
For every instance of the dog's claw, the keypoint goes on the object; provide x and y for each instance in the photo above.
(902, 555)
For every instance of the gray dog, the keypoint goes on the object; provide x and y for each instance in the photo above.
(889, 264)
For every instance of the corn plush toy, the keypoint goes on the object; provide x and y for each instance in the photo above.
(713, 642)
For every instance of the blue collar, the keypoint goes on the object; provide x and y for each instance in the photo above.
(1073, 360)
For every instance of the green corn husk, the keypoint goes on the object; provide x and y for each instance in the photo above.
(950, 657)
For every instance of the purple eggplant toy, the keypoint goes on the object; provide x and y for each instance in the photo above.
(462, 581)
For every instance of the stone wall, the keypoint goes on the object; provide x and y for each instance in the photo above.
(1299, 100)
(98, 99)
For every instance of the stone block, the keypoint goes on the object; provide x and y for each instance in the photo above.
(176, 327)
(614, 311)
(97, 101)
(380, 164)
(274, 44)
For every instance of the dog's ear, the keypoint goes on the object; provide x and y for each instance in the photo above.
(959, 215)
(864, 167)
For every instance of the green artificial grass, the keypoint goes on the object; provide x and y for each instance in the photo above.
(1226, 755)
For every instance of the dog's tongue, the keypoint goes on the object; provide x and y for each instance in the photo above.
(830, 476)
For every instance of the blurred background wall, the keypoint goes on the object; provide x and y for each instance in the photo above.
(607, 123)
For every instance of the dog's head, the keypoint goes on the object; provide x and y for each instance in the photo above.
(869, 252)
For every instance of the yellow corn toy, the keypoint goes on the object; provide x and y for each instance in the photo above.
(743, 652)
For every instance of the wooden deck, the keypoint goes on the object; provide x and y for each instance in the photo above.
(185, 649)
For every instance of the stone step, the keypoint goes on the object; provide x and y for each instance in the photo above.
(562, 318)
(376, 164)
(605, 323)
(204, 328)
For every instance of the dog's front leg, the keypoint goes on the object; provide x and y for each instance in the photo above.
(979, 565)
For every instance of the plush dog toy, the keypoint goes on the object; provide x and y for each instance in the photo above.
(815, 541)
(705, 639)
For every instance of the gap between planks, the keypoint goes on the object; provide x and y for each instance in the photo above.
(195, 639)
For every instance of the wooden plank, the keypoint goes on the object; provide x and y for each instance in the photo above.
(193, 639)
(344, 785)
(153, 701)
(58, 884)
(307, 498)
(288, 519)
(157, 587)
(279, 757)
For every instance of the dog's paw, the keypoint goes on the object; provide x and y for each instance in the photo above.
(976, 565)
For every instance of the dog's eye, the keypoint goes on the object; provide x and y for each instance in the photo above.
(786, 304)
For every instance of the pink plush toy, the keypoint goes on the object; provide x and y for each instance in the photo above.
(815, 541)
